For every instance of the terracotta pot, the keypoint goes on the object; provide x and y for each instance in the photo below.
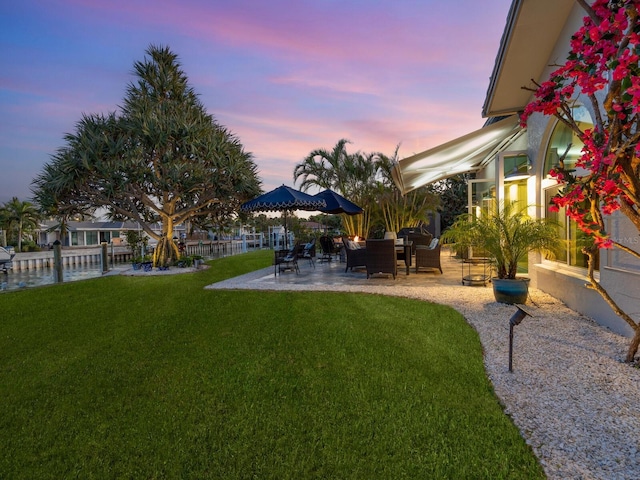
(510, 290)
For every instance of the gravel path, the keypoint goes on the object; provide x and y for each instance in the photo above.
(570, 394)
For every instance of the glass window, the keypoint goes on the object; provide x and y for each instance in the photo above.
(564, 142)
(92, 238)
(559, 218)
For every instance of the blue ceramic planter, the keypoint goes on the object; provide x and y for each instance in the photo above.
(507, 290)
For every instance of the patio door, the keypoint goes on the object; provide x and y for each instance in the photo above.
(509, 184)
(482, 200)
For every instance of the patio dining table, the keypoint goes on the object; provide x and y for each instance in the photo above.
(406, 249)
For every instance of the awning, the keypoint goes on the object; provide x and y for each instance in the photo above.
(468, 153)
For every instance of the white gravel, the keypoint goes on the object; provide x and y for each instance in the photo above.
(574, 400)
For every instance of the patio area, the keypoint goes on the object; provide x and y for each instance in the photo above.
(332, 274)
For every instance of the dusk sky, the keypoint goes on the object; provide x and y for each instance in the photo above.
(286, 77)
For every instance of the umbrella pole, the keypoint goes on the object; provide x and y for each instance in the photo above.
(286, 233)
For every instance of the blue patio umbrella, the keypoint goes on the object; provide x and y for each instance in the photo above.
(336, 203)
(283, 199)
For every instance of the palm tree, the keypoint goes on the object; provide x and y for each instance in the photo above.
(19, 217)
(365, 178)
(350, 175)
(507, 235)
(360, 186)
(324, 168)
(397, 210)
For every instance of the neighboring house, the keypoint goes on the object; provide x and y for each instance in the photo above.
(511, 163)
(93, 233)
(80, 234)
(313, 226)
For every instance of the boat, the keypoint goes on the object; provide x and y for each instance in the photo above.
(6, 257)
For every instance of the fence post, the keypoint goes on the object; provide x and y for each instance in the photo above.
(104, 257)
(57, 261)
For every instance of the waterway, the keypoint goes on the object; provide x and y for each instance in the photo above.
(16, 280)
(19, 279)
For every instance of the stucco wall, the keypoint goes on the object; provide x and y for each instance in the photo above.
(570, 288)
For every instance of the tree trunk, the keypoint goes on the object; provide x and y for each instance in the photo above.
(633, 347)
(635, 342)
(20, 236)
(166, 251)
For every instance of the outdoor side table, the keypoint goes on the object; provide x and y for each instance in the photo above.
(478, 271)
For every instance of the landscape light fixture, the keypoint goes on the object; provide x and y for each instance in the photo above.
(515, 319)
(517, 173)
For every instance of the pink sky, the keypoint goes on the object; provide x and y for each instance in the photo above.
(287, 77)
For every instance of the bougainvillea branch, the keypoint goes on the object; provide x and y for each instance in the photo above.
(603, 66)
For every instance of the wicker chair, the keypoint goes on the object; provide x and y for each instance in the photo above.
(428, 257)
(381, 257)
(356, 257)
(419, 239)
(286, 260)
(329, 248)
(416, 236)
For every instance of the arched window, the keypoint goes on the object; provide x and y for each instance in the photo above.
(564, 143)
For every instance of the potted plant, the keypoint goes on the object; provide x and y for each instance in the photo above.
(198, 260)
(506, 236)
(136, 263)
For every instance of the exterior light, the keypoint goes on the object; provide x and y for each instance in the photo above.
(515, 319)
(517, 173)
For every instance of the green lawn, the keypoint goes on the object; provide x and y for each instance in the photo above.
(130, 377)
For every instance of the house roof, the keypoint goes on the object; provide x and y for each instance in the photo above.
(533, 29)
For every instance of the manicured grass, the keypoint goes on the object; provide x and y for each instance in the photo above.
(129, 377)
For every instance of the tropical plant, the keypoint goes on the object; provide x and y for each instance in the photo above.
(365, 179)
(163, 158)
(19, 218)
(603, 66)
(350, 175)
(507, 235)
(397, 210)
(137, 242)
(452, 193)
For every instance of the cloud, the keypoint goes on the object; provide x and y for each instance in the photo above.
(286, 76)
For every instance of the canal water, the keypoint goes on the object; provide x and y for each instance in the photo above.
(16, 280)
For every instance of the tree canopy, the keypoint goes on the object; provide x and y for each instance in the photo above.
(365, 179)
(18, 218)
(161, 158)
